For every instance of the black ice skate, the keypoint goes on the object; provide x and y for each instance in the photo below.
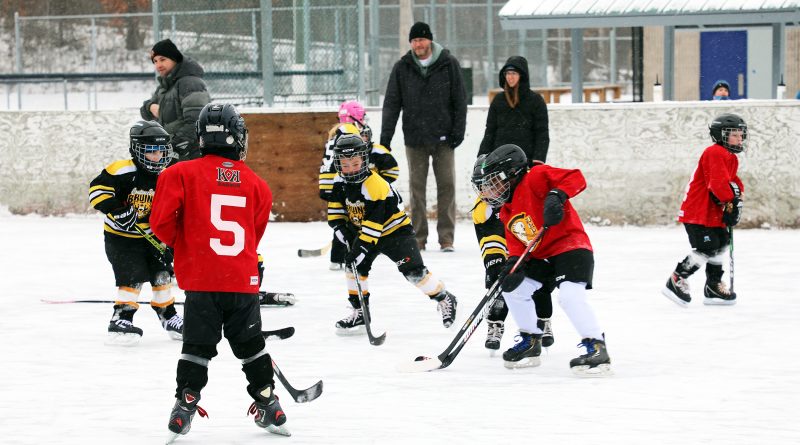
(718, 294)
(547, 332)
(173, 326)
(353, 324)
(494, 334)
(524, 354)
(447, 307)
(268, 413)
(123, 333)
(677, 290)
(180, 420)
(595, 363)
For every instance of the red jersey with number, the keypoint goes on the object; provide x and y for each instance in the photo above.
(213, 212)
(715, 171)
(523, 215)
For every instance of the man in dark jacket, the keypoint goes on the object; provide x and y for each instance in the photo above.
(180, 96)
(517, 115)
(426, 84)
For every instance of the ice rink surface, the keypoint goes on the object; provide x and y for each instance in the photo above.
(701, 375)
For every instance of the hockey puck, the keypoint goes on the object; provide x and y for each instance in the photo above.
(421, 358)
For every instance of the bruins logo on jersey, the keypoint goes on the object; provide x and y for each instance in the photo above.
(142, 201)
(355, 211)
(521, 225)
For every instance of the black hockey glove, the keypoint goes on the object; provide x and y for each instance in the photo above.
(356, 254)
(494, 269)
(345, 234)
(125, 217)
(554, 207)
(732, 212)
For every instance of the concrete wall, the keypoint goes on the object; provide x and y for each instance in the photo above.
(637, 158)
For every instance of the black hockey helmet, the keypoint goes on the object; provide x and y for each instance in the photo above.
(148, 138)
(349, 146)
(221, 130)
(725, 125)
(495, 175)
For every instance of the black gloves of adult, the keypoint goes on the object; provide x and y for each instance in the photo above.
(125, 217)
(455, 141)
(554, 207)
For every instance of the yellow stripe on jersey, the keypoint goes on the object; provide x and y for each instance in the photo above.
(326, 180)
(397, 221)
(493, 244)
(378, 148)
(375, 188)
(481, 212)
(121, 167)
(393, 173)
(336, 211)
(100, 193)
(370, 231)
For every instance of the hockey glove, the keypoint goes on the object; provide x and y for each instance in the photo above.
(732, 212)
(276, 299)
(554, 207)
(344, 234)
(125, 218)
(494, 269)
(356, 254)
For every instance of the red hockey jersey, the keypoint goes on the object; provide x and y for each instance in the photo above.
(213, 211)
(523, 216)
(715, 171)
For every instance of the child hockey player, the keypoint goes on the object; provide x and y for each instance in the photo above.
(368, 218)
(351, 121)
(492, 241)
(713, 201)
(124, 191)
(533, 201)
(213, 211)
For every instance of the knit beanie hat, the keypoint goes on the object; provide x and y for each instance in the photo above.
(420, 30)
(167, 49)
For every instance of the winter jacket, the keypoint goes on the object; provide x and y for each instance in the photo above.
(434, 105)
(180, 95)
(525, 125)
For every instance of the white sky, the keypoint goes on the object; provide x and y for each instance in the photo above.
(710, 375)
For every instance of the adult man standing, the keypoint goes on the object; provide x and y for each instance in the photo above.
(426, 84)
(178, 99)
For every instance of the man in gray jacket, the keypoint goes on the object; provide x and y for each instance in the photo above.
(426, 84)
(180, 96)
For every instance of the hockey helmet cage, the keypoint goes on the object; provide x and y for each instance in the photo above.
(147, 138)
(495, 175)
(348, 148)
(221, 130)
(725, 125)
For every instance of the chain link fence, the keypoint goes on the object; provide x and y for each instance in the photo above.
(319, 52)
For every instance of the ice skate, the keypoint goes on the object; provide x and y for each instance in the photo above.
(717, 294)
(353, 324)
(595, 363)
(336, 266)
(547, 332)
(447, 307)
(123, 333)
(268, 413)
(180, 420)
(173, 326)
(494, 334)
(524, 354)
(677, 290)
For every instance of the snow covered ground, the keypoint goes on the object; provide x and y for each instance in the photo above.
(710, 375)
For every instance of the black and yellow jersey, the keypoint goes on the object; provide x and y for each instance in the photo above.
(119, 185)
(490, 232)
(372, 208)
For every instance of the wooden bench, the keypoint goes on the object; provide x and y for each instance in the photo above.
(552, 95)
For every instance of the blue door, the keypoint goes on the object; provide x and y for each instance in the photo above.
(723, 56)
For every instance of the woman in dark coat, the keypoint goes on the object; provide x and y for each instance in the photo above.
(518, 115)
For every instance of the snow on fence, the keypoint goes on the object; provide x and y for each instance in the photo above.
(637, 158)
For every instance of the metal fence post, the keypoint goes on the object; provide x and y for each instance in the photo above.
(93, 66)
(267, 60)
(18, 56)
(156, 23)
(374, 54)
(489, 44)
(361, 46)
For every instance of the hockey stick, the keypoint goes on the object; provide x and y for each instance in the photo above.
(266, 295)
(303, 396)
(150, 238)
(305, 253)
(377, 341)
(730, 250)
(444, 359)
